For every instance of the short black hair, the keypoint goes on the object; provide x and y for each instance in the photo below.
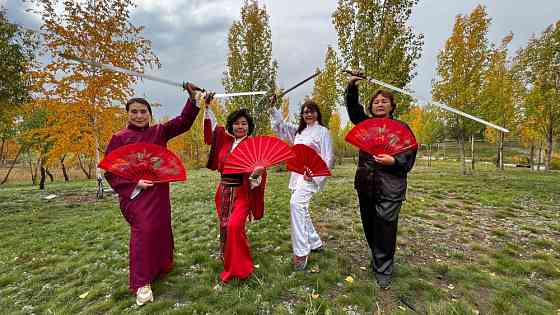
(233, 116)
(387, 95)
(139, 100)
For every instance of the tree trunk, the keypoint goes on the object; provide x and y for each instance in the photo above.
(64, 171)
(32, 169)
(532, 157)
(461, 141)
(502, 140)
(12, 166)
(548, 150)
(2, 156)
(429, 155)
(51, 177)
(497, 153)
(43, 178)
(83, 168)
(472, 153)
(540, 157)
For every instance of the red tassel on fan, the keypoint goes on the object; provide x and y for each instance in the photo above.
(147, 161)
(307, 162)
(257, 151)
(382, 136)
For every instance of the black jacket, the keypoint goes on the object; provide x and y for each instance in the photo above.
(383, 181)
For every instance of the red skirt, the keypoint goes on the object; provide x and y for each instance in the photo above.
(232, 206)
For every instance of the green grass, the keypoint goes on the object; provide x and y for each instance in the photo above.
(484, 244)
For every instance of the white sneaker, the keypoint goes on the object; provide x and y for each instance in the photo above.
(144, 295)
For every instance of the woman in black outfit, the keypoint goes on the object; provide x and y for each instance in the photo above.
(380, 182)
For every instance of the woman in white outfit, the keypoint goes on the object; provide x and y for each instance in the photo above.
(312, 133)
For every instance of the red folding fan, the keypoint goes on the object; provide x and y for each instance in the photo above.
(144, 161)
(382, 136)
(257, 151)
(307, 162)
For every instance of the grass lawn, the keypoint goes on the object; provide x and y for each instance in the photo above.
(484, 244)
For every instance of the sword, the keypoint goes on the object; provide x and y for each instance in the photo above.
(298, 84)
(151, 77)
(279, 96)
(438, 104)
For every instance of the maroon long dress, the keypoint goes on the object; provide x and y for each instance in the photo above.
(149, 213)
(235, 202)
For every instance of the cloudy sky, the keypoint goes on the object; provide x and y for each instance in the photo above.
(190, 37)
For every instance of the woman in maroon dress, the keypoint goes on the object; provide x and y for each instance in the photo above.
(237, 195)
(146, 205)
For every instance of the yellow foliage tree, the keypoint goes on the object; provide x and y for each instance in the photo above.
(79, 99)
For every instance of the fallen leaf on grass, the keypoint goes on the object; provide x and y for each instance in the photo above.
(315, 295)
(83, 295)
(349, 279)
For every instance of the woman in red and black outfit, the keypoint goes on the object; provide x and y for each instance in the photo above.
(237, 195)
(380, 182)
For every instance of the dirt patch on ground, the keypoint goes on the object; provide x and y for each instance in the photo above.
(456, 232)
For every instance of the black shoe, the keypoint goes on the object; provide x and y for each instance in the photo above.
(383, 281)
(320, 249)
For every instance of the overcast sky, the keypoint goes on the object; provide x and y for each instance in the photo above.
(190, 37)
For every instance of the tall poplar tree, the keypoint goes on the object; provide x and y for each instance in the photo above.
(460, 74)
(375, 36)
(250, 66)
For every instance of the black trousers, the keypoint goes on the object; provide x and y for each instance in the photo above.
(380, 219)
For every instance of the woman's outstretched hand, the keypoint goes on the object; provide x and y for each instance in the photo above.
(191, 89)
(355, 75)
(208, 98)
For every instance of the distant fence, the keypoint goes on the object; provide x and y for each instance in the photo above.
(513, 152)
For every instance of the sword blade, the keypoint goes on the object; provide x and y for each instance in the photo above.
(223, 95)
(438, 104)
(298, 84)
(151, 77)
(122, 70)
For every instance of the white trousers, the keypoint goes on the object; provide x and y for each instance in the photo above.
(304, 236)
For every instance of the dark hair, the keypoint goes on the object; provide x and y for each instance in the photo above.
(314, 107)
(138, 100)
(385, 94)
(233, 116)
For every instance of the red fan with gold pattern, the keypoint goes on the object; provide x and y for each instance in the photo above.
(144, 161)
(382, 136)
(257, 151)
(307, 162)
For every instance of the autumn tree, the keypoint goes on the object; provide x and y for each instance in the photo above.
(499, 99)
(375, 36)
(17, 55)
(538, 67)
(426, 125)
(460, 74)
(325, 90)
(81, 99)
(249, 63)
